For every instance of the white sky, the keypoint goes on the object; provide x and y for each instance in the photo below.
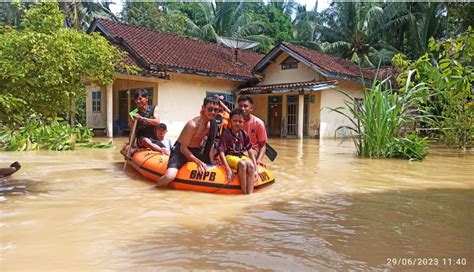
(322, 4)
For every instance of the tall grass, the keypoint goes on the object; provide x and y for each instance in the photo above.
(377, 120)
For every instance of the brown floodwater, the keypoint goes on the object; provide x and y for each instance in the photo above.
(328, 210)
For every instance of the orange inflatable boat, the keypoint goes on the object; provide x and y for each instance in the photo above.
(152, 165)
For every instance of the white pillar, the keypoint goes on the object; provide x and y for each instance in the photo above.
(300, 115)
(110, 101)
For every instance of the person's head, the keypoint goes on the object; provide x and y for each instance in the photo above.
(246, 104)
(161, 131)
(210, 107)
(236, 118)
(141, 97)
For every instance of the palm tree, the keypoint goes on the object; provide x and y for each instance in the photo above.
(79, 15)
(228, 19)
(409, 26)
(351, 30)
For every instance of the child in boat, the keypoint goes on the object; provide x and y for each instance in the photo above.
(159, 143)
(232, 145)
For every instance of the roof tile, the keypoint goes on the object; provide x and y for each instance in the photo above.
(169, 51)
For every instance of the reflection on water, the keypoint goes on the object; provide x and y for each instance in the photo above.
(328, 210)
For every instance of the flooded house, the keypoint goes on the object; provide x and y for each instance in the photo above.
(292, 86)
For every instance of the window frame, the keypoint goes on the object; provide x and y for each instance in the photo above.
(96, 101)
(289, 63)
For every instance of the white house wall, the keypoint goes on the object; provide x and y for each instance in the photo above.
(331, 98)
(180, 98)
(275, 75)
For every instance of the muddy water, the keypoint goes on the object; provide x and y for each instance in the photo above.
(328, 210)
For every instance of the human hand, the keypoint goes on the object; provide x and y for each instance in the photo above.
(256, 176)
(261, 164)
(229, 173)
(202, 167)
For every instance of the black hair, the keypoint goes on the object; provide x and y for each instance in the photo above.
(140, 92)
(210, 100)
(236, 111)
(245, 98)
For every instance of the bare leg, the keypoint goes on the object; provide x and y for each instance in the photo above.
(242, 166)
(167, 177)
(250, 176)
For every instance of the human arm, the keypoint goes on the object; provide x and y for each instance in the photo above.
(261, 140)
(155, 121)
(262, 147)
(146, 142)
(185, 140)
(211, 156)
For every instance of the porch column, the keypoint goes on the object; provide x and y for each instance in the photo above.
(300, 115)
(110, 101)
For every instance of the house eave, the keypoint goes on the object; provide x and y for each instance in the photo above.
(282, 48)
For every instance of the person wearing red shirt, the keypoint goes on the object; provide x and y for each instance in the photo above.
(254, 127)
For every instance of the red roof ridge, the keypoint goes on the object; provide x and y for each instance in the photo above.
(176, 35)
(319, 52)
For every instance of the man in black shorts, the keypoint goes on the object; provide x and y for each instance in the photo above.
(191, 145)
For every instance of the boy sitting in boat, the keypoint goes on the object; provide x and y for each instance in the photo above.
(159, 143)
(195, 143)
(232, 145)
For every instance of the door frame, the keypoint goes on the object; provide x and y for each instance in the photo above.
(269, 117)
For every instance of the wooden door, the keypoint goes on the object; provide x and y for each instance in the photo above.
(275, 119)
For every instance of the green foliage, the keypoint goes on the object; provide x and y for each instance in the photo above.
(99, 145)
(11, 12)
(43, 18)
(12, 109)
(353, 30)
(228, 19)
(460, 16)
(151, 15)
(411, 147)
(276, 23)
(80, 14)
(47, 69)
(39, 134)
(449, 71)
(376, 121)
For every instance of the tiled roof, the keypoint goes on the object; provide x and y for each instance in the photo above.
(384, 72)
(287, 87)
(170, 52)
(327, 65)
(330, 63)
(143, 70)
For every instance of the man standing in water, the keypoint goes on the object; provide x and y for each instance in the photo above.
(254, 127)
(190, 146)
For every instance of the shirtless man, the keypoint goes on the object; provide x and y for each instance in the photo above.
(254, 127)
(189, 146)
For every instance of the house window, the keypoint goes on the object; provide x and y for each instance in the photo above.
(96, 101)
(289, 63)
(227, 97)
